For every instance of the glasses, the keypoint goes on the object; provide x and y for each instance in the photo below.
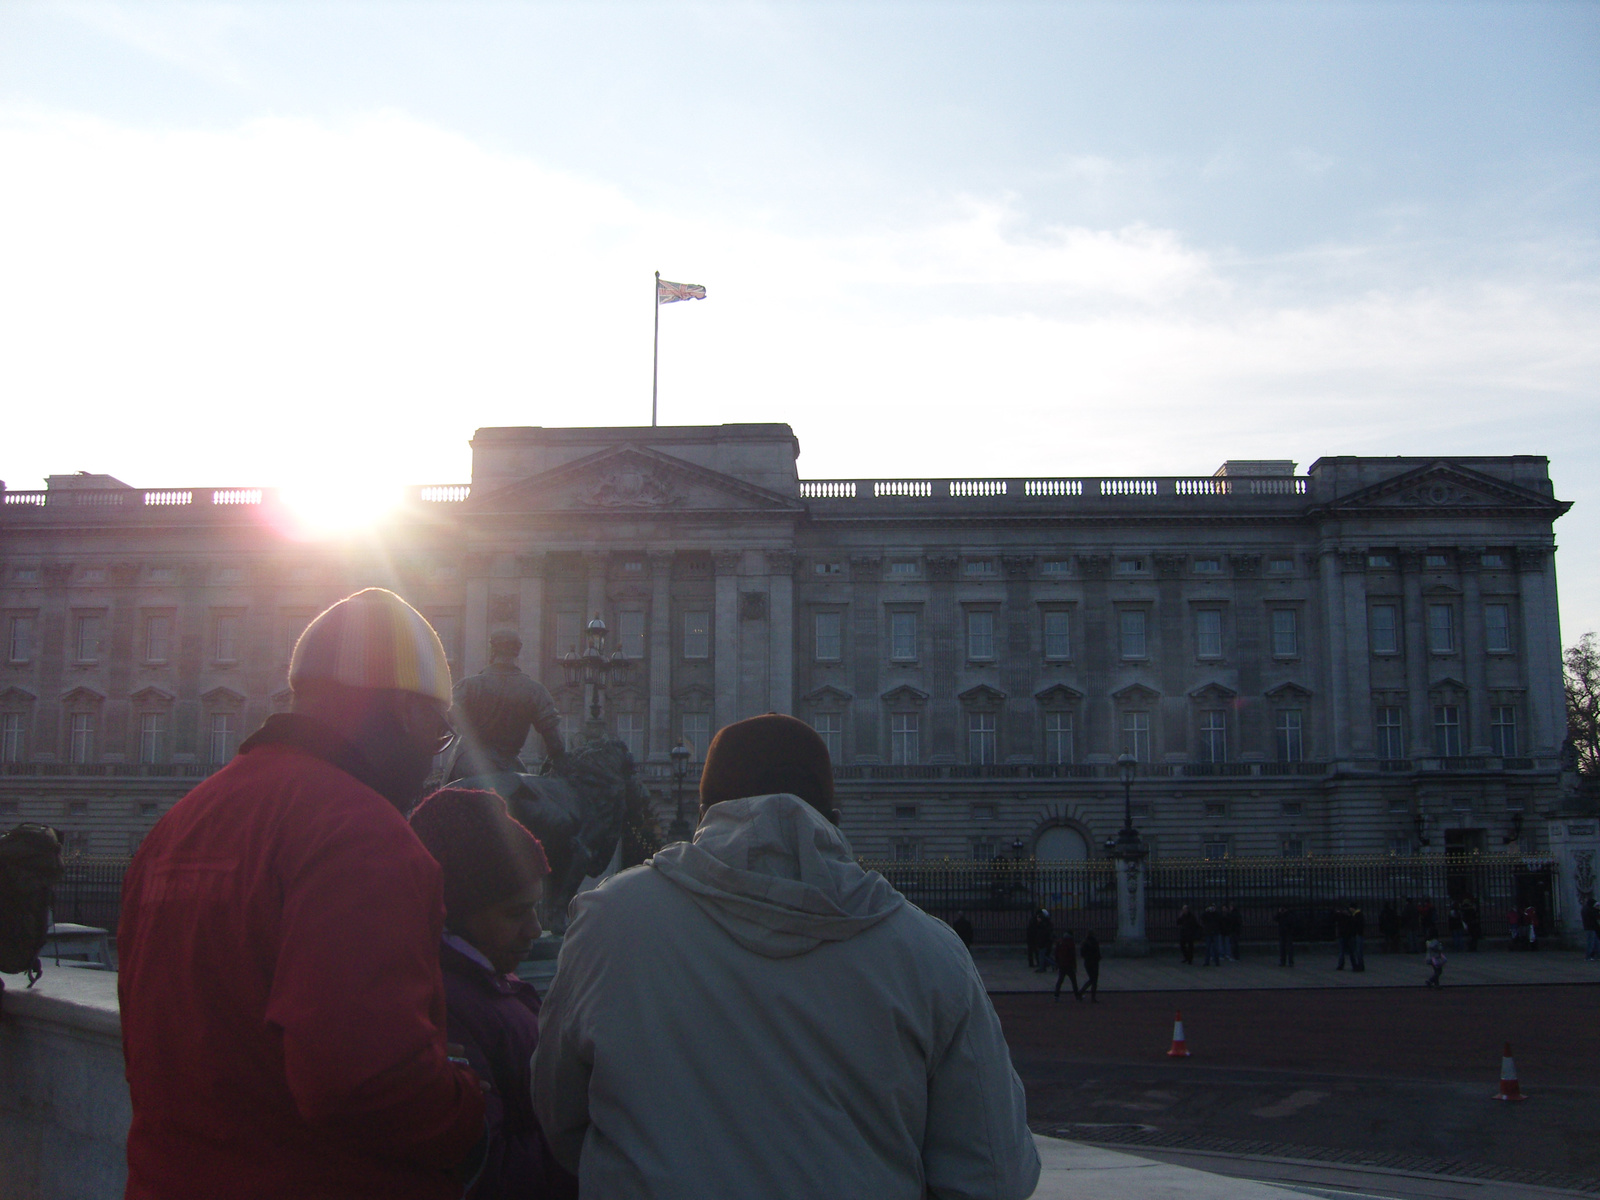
(424, 722)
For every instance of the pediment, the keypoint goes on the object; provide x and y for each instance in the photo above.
(152, 695)
(222, 695)
(1448, 683)
(281, 701)
(83, 694)
(982, 696)
(15, 697)
(1213, 691)
(904, 695)
(1447, 487)
(1441, 589)
(1136, 693)
(693, 694)
(1058, 693)
(827, 695)
(633, 480)
(1289, 691)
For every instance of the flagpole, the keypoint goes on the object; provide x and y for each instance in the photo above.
(655, 355)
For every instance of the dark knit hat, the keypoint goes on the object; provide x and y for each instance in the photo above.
(486, 855)
(761, 755)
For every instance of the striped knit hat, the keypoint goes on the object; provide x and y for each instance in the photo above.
(373, 639)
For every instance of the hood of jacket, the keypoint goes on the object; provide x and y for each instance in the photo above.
(777, 876)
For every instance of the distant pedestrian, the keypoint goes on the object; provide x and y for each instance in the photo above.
(1514, 925)
(1284, 918)
(1066, 963)
(1035, 935)
(1232, 926)
(1457, 927)
(1389, 927)
(1436, 960)
(1591, 929)
(1530, 922)
(1091, 968)
(1341, 934)
(1357, 921)
(1188, 931)
(1410, 924)
(1211, 927)
(1472, 918)
(963, 928)
(1429, 918)
(1047, 934)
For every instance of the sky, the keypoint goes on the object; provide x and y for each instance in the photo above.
(317, 245)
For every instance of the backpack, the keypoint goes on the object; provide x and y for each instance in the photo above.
(30, 865)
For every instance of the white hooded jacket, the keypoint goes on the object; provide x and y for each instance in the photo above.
(754, 1015)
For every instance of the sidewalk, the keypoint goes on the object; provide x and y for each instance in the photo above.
(1005, 969)
(1072, 1171)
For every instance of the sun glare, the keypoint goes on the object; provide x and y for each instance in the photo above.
(327, 508)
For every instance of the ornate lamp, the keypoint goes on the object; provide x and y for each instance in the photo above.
(681, 830)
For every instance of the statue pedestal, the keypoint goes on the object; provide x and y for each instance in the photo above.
(1131, 875)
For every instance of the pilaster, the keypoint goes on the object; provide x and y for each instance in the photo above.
(725, 629)
(780, 631)
(536, 659)
(660, 650)
(1473, 655)
(475, 621)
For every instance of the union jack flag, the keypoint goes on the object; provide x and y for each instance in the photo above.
(671, 293)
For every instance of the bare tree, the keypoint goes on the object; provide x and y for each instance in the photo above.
(1582, 678)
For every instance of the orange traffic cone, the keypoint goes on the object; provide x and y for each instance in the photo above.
(1180, 1048)
(1509, 1090)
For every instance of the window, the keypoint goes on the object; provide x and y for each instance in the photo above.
(1516, 804)
(236, 574)
(1461, 804)
(829, 729)
(162, 575)
(633, 566)
(1136, 734)
(569, 633)
(980, 635)
(19, 639)
(903, 567)
(1383, 630)
(88, 638)
(1380, 561)
(983, 811)
(1216, 808)
(1208, 566)
(94, 575)
(827, 568)
(157, 639)
(1497, 627)
(630, 732)
(904, 747)
(227, 629)
(697, 634)
(81, 749)
(224, 727)
(25, 575)
(1436, 562)
(980, 566)
(1447, 730)
(1441, 629)
(826, 626)
(1057, 633)
(1055, 566)
(1214, 850)
(982, 849)
(1290, 738)
(1285, 633)
(980, 737)
(1058, 737)
(1293, 808)
(570, 728)
(1399, 804)
(630, 633)
(1495, 562)
(905, 812)
(1130, 566)
(11, 731)
(1400, 845)
(1294, 848)
(1214, 736)
(1391, 740)
(152, 730)
(905, 850)
(1503, 730)
(1280, 566)
(697, 734)
(1130, 624)
(1208, 632)
(902, 636)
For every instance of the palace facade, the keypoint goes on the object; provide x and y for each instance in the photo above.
(1362, 659)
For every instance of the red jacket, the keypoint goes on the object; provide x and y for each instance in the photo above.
(283, 1012)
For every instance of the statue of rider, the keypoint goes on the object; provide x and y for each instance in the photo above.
(493, 712)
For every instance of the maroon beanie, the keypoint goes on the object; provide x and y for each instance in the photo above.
(762, 755)
(485, 855)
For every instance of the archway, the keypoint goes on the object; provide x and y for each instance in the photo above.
(1061, 844)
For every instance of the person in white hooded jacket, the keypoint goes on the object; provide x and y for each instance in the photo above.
(752, 1014)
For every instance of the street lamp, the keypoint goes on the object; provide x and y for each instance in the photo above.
(1127, 768)
(680, 831)
(595, 670)
(1129, 853)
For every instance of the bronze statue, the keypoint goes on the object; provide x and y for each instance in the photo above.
(576, 807)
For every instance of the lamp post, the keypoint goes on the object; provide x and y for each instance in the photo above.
(1128, 851)
(595, 670)
(680, 831)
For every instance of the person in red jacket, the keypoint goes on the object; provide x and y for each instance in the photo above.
(283, 1011)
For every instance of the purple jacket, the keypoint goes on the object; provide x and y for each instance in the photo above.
(496, 1018)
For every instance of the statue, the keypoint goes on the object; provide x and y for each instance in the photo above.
(577, 806)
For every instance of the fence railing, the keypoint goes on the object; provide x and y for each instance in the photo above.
(90, 891)
(998, 897)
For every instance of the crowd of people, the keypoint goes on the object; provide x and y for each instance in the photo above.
(319, 996)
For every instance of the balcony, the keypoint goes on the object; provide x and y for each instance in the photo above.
(830, 497)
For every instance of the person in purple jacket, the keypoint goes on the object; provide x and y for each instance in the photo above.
(494, 871)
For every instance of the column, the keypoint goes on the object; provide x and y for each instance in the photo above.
(475, 624)
(1357, 717)
(1541, 652)
(868, 723)
(594, 568)
(660, 651)
(780, 631)
(536, 659)
(1131, 940)
(1473, 657)
(1420, 739)
(725, 633)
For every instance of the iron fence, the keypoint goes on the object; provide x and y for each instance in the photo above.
(90, 891)
(998, 897)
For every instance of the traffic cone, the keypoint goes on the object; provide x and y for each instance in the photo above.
(1509, 1090)
(1180, 1048)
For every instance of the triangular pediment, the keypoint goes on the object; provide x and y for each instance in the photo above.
(693, 694)
(1446, 487)
(905, 695)
(15, 697)
(152, 695)
(633, 479)
(827, 696)
(83, 695)
(1059, 694)
(1214, 692)
(1136, 693)
(1289, 691)
(983, 696)
(222, 695)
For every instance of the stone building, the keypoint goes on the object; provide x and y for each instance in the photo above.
(1361, 659)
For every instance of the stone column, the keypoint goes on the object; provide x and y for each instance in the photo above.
(867, 720)
(594, 569)
(943, 638)
(1541, 652)
(725, 629)
(475, 626)
(1336, 637)
(660, 649)
(1473, 657)
(1131, 874)
(780, 631)
(1357, 717)
(530, 616)
(1420, 742)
